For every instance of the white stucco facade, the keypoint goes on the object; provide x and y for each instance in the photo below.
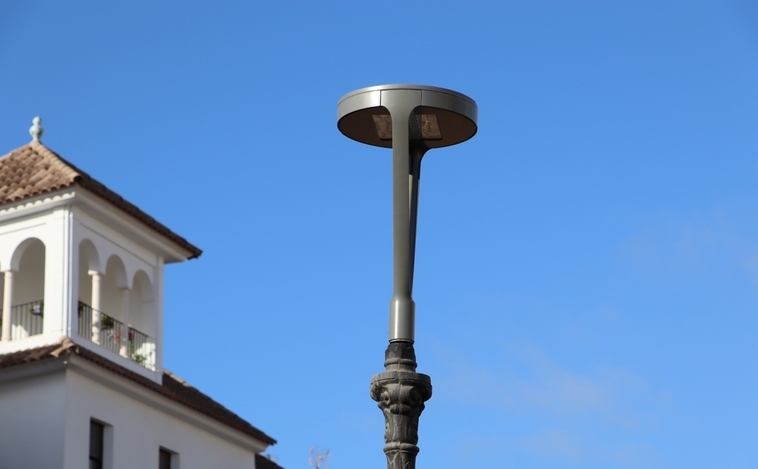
(81, 300)
(53, 245)
(52, 402)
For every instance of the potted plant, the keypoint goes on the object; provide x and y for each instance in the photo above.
(136, 357)
(106, 322)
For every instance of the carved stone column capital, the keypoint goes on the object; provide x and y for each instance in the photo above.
(400, 393)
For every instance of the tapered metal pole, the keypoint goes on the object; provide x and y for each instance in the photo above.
(402, 308)
(414, 179)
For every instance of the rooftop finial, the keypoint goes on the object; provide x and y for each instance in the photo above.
(36, 129)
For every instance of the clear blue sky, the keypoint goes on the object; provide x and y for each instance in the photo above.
(587, 265)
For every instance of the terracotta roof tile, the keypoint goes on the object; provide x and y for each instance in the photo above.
(172, 387)
(34, 169)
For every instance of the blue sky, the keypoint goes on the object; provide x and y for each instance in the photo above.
(587, 265)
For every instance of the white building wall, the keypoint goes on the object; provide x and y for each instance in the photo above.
(137, 431)
(45, 423)
(32, 413)
(57, 272)
(61, 225)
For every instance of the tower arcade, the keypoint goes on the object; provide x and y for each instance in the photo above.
(77, 260)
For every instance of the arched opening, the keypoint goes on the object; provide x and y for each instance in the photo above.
(114, 306)
(114, 285)
(141, 303)
(141, 321)
(113, 312)
(28, 290)
(88, 298)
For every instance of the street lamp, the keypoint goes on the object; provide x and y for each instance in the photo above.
(410, 119)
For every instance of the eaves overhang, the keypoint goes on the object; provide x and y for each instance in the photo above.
(34, 172)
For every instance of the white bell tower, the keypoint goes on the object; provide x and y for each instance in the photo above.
(77, 260)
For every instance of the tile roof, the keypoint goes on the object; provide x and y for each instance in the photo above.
(34, 169)
(172, 387)
(262, 462)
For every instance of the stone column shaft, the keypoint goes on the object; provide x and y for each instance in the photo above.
(97, 291)
(7, 304)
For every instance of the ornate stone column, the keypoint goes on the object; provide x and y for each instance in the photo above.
(400, 393)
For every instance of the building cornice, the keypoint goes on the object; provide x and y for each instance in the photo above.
(100, 210)
(34, 170)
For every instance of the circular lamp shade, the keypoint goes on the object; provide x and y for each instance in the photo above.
(440, 117)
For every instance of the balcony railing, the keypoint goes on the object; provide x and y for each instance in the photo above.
(139, 348)
(117, 337)
(85, 321)
(26, 319)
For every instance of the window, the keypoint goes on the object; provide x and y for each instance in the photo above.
(96, 431)
(164, 459)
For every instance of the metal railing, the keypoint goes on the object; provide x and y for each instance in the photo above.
(26, 319)
(110, 333)
(85, 320)
(140, 349)
(137, 346)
